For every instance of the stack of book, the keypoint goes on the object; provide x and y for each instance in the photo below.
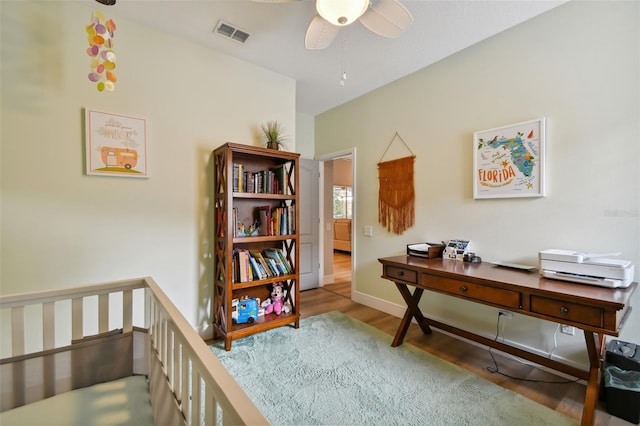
(277, 220)
(269, 181)
(250, 265)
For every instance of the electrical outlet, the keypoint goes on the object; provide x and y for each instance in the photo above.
(506, 314)
(368, 231)
(567, 329)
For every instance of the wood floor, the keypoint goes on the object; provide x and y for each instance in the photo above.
(566, 398)
(341, 274)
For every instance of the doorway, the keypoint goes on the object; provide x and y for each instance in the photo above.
(341, 284)
(338, 218)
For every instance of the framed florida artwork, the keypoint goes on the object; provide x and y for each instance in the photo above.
(508, 161)
(115, 144)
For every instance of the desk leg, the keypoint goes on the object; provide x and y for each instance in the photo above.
(596, 352)
(413, 310)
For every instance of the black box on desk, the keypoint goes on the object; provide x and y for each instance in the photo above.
(623, 393)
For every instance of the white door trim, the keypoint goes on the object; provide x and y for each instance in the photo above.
(351, 152)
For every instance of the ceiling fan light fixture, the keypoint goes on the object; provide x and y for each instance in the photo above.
(341, 12)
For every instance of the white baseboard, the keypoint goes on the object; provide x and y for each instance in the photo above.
(399, 310)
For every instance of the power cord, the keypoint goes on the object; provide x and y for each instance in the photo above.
(496, 369)
(555, 341)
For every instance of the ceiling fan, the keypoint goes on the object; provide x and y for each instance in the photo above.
(388, 18)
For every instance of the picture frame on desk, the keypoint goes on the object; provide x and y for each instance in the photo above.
(509, 161)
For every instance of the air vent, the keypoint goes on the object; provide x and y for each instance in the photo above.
(228, 30)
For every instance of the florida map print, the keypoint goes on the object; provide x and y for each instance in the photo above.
(508, 161)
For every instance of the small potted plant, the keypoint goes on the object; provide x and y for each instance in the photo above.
(272, 134)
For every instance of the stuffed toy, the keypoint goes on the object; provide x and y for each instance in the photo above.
(277, 300)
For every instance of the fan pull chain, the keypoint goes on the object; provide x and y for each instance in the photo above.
(344, 69)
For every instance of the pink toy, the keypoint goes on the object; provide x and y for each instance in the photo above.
(277, 300)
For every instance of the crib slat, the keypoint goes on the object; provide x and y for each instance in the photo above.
(210, 413)
(196, 397)
(184, 382)
(156, 326)
(127, 311)
(76, 319)
(177, 361)
(163, 344)
(147, 308)
(48, 342)
(151, 324)
(159, 335)
(103, 313)
(17, 330)
(48, 325)
(170, 360)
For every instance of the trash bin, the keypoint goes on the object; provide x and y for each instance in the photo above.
(623, 354)
(623, 393)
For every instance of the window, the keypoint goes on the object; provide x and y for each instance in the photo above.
(342, 200)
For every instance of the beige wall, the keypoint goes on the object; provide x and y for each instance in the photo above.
(304, 135)
(61, 228)
(578, 66)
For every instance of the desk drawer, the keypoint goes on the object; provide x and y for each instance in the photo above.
(567, 311)
(402, 274)
(479, 292)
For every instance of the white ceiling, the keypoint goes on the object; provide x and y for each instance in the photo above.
(440, 28)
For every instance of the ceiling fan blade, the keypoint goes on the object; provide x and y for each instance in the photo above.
(388, 18)
(320, 33)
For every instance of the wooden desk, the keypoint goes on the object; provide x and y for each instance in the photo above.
(598, 311)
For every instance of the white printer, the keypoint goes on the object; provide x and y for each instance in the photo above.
(585, 268)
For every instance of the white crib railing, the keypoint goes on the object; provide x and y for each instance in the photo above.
(188, 385)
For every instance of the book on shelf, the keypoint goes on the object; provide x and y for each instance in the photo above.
(234, 221)
(291, 217)
(244, 269)
(264, 217)
(256, 268)
(278, 179)
(268, 181)
(274, 267)
(277, 220)
(242, 274)
(280, 260)
(262, 264)
(236, 172)
(248, 182)
(256, 265)
(283, 220)
(238, 177)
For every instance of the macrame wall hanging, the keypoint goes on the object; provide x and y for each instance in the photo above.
(396, 197)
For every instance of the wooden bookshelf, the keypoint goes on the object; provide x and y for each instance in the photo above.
(245, 179)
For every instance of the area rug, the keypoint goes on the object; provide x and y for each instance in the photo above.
(335, 370)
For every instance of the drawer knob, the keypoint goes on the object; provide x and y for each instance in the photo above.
(463, 288)
(401, 273)
(564, 310)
